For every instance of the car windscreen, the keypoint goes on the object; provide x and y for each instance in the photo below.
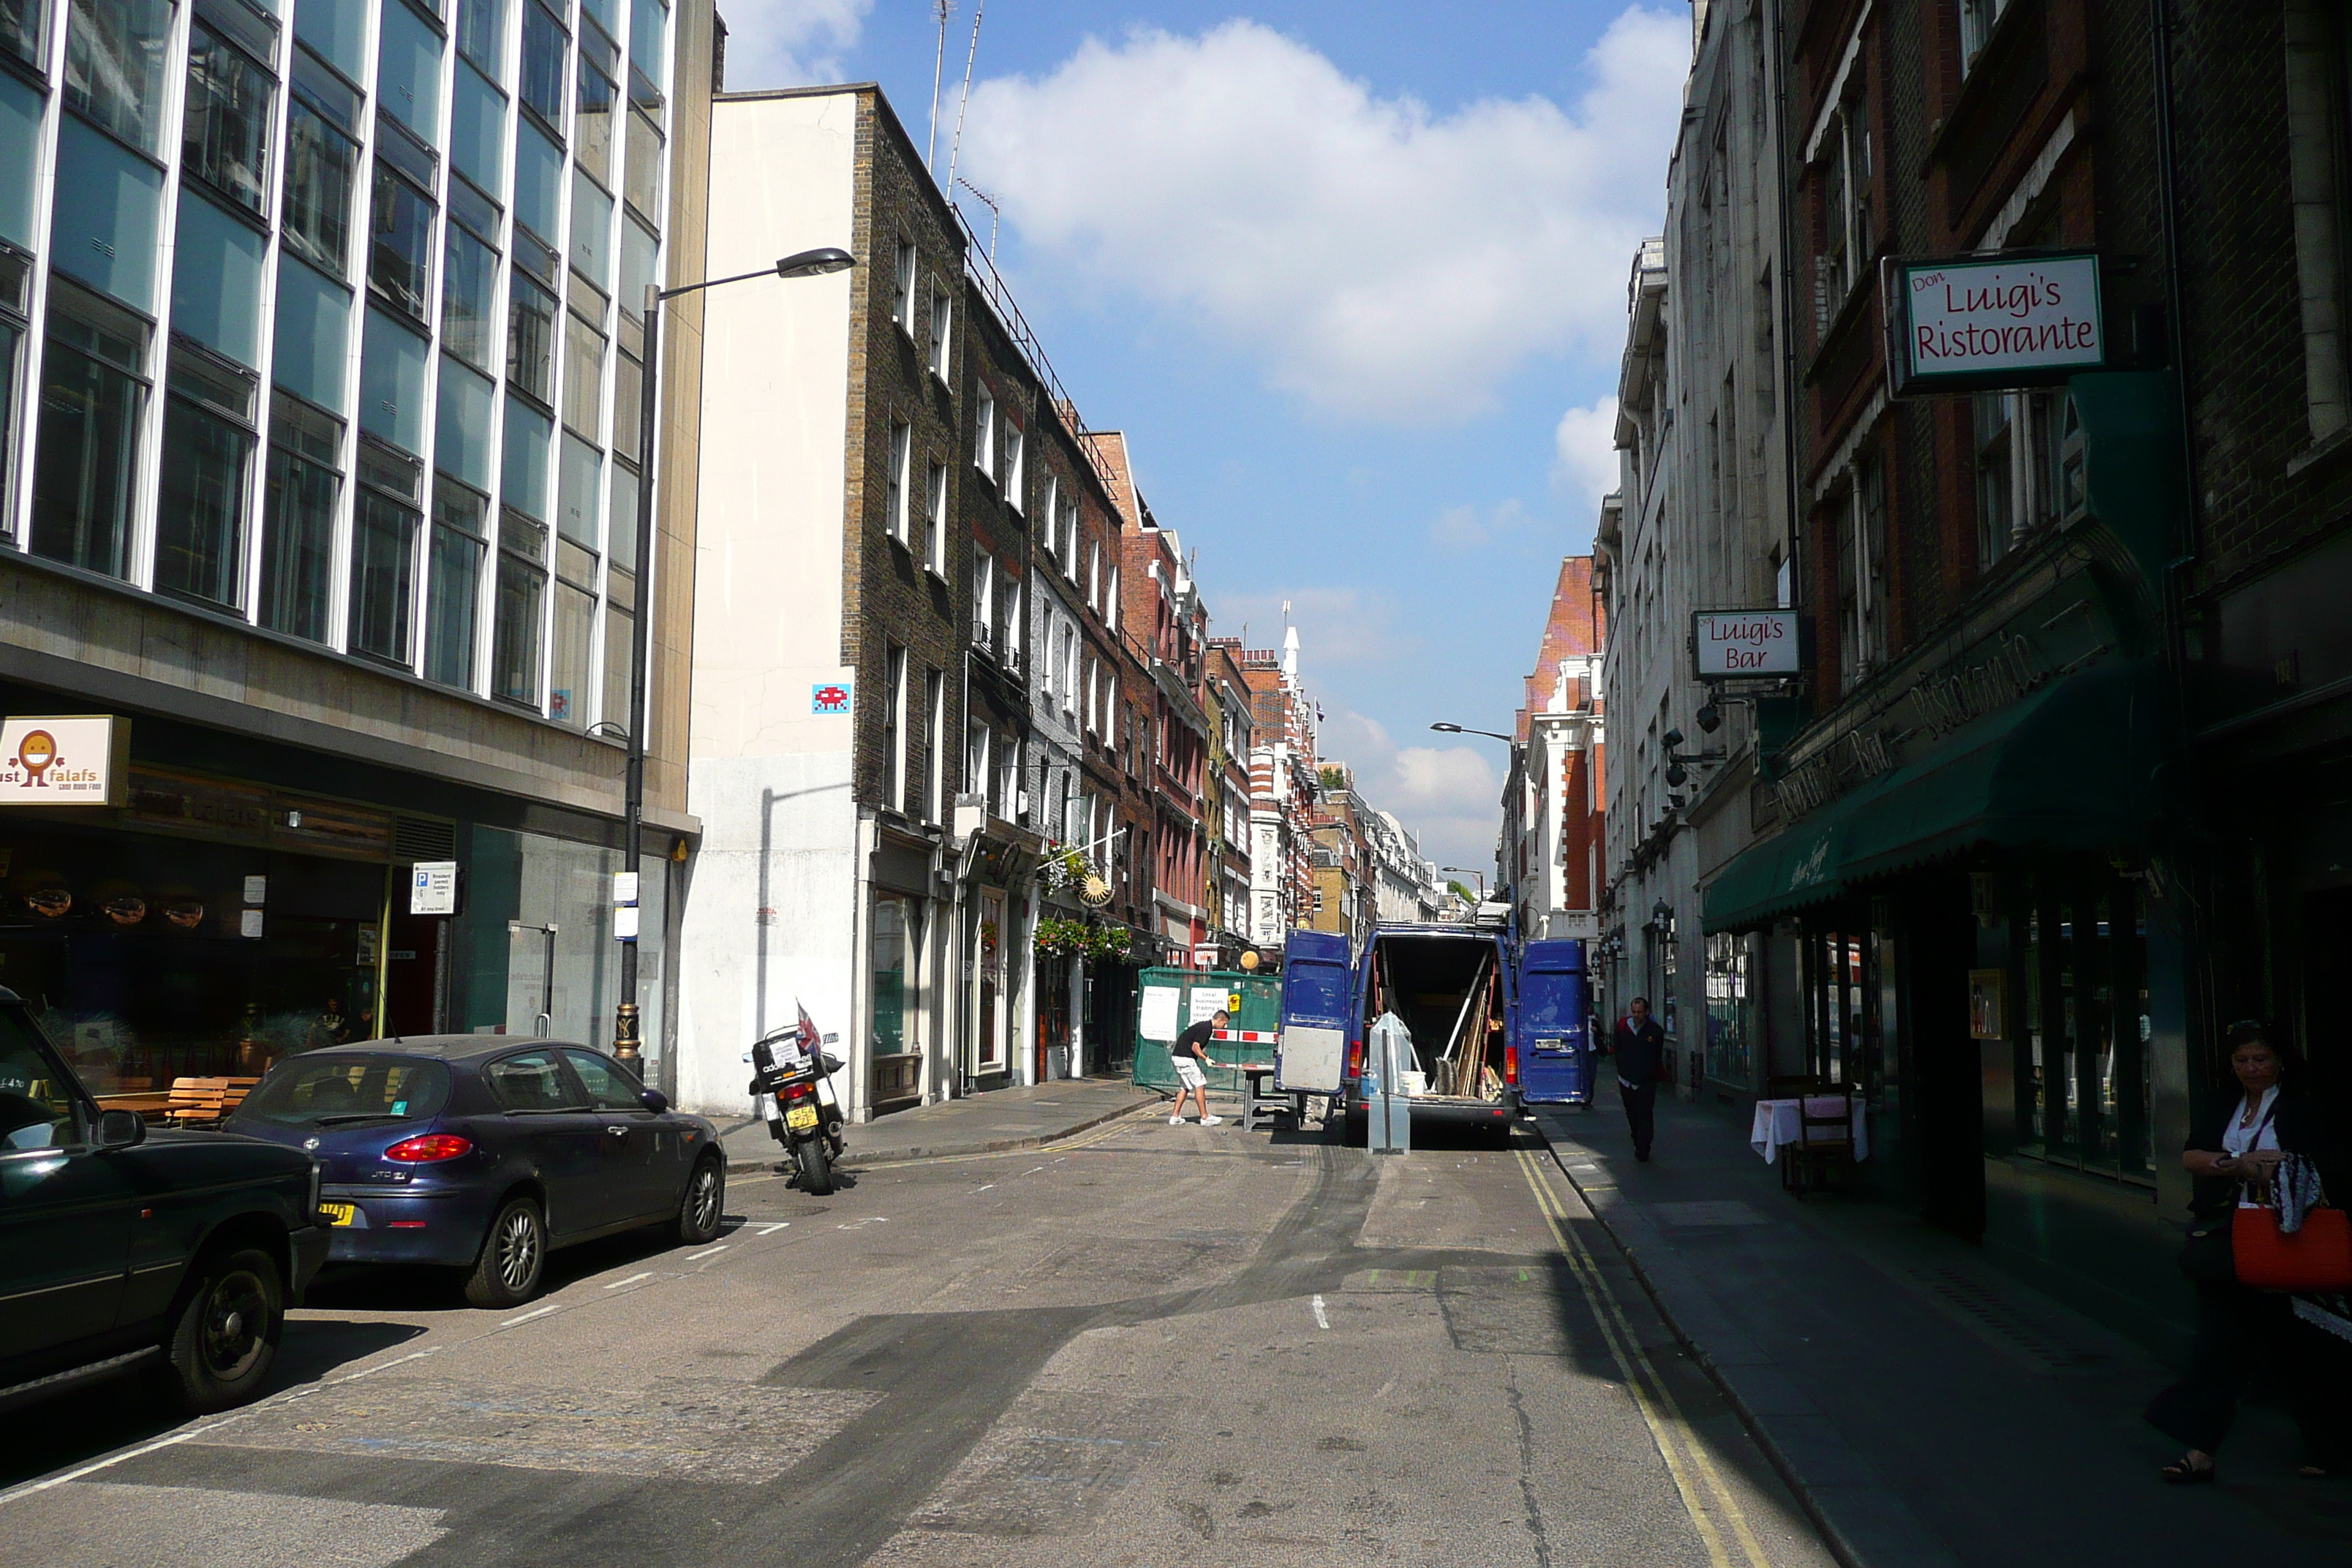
(332, 1090)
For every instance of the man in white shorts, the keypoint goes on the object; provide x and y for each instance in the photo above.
(1191, 1054)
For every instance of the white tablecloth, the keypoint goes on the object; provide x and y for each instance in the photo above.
(1776, 1124)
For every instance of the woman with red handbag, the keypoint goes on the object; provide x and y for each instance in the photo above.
(2232, 1153)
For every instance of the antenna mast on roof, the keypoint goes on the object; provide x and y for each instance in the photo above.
(939, 65)
(995, 216)
(956, 146)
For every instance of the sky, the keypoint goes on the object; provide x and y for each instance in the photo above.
(1351, 277)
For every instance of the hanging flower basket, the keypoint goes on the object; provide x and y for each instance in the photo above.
(1065, 867)
(1106, 942)
(1057, 935)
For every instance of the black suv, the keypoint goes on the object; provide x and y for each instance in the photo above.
(118, 1246)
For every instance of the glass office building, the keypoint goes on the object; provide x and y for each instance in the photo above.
(323, 315)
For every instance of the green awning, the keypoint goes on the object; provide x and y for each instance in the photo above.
(2070, 767)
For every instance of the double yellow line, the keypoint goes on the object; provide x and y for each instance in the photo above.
(1713, 1510)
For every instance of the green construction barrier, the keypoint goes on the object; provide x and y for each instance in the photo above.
(1164, 1006)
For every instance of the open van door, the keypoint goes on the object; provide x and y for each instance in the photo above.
(1553, 1024)
(1318, 991)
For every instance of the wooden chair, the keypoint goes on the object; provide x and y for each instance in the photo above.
(198, 1101)
(1824, 1148)
(234, 1096)
(1790, 1086)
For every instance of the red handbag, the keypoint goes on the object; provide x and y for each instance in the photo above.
(2316, 1259)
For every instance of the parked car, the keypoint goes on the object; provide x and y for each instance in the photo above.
(119, 1246)
(486, 1151)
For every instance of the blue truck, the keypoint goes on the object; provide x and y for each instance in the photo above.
(1492, 1027)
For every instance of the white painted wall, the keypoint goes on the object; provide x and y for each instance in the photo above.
(770, 778)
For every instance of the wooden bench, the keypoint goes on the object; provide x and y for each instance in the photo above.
(205, 1102)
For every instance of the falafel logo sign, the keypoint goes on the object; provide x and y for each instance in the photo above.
(1995, 321)
(81, 758)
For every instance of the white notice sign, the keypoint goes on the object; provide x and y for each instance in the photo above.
(1158, 1021)
(1730, 643)
(433, 887)
(1205, 1002)
(2017, 321)
(81, 758)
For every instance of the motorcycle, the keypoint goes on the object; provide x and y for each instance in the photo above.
(791, 1085)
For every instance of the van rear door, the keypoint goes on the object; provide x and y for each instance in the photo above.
(1318, 991)
(1552, 1026)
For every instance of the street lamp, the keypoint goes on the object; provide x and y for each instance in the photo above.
(1510, 741)
(1469, 873)
(800, 264)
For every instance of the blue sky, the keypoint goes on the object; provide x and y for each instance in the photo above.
(1352, 279)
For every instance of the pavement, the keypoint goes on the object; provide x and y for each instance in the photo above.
(1929, 1409)
(1000, 1120)
(1139, 1346)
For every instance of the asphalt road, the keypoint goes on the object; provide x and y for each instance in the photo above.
(1148, 1345)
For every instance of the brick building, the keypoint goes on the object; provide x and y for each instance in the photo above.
(1282, 793)
(1554, 854)
(1225, 816)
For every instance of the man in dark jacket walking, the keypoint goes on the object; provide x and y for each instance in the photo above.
(1641, 1050)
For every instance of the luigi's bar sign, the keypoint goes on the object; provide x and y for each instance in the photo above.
(75, 759)
(1978, 322)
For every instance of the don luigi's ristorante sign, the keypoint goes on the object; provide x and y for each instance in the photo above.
(75, 759)
(1978, 322)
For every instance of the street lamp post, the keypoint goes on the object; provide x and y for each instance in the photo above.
(1469, 872)
(801, 264)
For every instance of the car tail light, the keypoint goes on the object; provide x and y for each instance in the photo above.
(405, 1225)
(1511, 1064)
(426, 1147)
(1355, 1058)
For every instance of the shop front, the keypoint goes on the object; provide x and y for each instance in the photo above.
(242, 901)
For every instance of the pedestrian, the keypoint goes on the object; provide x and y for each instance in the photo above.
(1191, 1054)
(2231, 1150)
(1640, 1047)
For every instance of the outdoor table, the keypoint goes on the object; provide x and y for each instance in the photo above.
(1259, 1107)
(1775, 1123)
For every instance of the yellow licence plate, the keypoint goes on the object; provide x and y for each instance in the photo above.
(801, 1116)
(340, 1214)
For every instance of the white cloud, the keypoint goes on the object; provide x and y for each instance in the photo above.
(1584, 457)
(1448, 795)
(1462, 526)
(1387, 261)
(790, 43)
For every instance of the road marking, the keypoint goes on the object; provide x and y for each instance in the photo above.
(371, 1371)
(1678, 1446)
(630, 1281)
(1033, 1170)
(539, 1312)
(772, 1229)
(707, 1252)
(1321, 1321)
(983, 1187)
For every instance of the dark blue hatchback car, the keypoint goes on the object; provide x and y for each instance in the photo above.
(484, 1152)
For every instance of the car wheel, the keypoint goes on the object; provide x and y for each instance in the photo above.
(227, 1334)
(514, 1256)
(706, 1198)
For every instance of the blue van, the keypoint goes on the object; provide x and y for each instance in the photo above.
(1555, 1025)
(1456, 989)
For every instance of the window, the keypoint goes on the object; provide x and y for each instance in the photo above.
(1094, 576)
(642, 178)
(400, 255)
(593, 122)
(1862, 575)
(482, 35)
(1015, 450)
(1110, 607)
(902, 456)
(1008, 638)
(93, 392)
(648, 64)
(1094, 719)
(902, 288)
(1996, 515)
(620, 656)
(477, 132)
(530, 339)
(1846, 238)
(579, 483)
(985, 434)
(298, 525)
(408, 71)
(935, 518)
(1052, 517)
(2025, 473)
(225, 134)
(569, 668)
(518, 608)
(544, 44)
(539, 190)
(200, 516)
(591, 233)
(1069, 661)
(983, 598)
(453, 583)
(20, 31)
(583, 377)
(1976, 19)
(976, 773)
(894, 727)
(639, 260)
(935, 756)
(469, 300)
(467, 422)
(943, 322)
(1045, 672)
(321, 168)
(895, 1015)
(383, 573)
(114, 68)
(628, 406)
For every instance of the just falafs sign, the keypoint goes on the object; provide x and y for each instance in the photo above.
(1977, 323)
